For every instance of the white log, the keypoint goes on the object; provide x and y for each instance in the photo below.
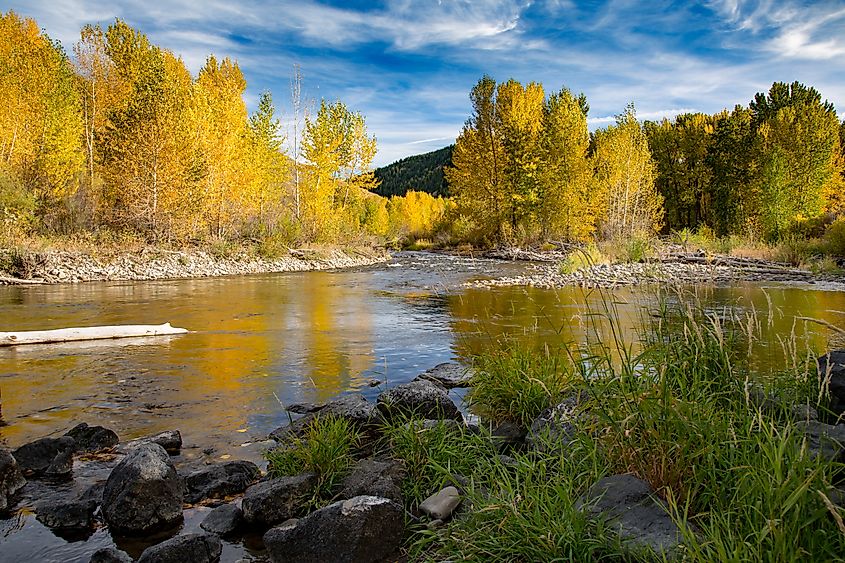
(86, 333)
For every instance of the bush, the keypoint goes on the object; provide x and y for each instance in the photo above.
(581, 258)
(834, 238)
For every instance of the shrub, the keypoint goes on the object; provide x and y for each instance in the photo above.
(581, 258)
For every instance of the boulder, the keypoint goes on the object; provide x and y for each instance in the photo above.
(271, 502)
(449, 375)
(11, 479)
(67, 515)
(508, 436)
(832, 365)
(189, 548)
(170, 440)
(374, 478)
(824, 440)
(556, 426)
(363, 529)
(143, 492)
(223, 520)
(353, 408)
(92, 438)
(420, 398)
(221, 480)
(629, 505)
(441, 504)
(110, 555)
(47, 457)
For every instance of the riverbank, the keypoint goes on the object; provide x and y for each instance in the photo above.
(555, 269)
(150, 263)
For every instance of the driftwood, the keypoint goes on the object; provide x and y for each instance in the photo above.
(86, 333)
(18, 281)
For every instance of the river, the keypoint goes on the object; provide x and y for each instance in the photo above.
(258, 342)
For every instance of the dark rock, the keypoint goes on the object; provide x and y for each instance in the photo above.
(774, 406)
(67, 515)
(363, 529)
(189, 548)
(92, 438)
(11, 479)
(639, 517)
(441, 504)
(143, 492)
(353, 408)
(832, 366)
(218, 481)
(374, 478)
(420, 398)
(110, 555)
(170, 440)
(508, 435)
(223, 520)
(824, 440)
(47, 457)
(508, 461)
(94, 492)
(304, 408)
(270, 502)
(449, 375)
(556, 426)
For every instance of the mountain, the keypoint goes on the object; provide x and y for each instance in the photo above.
(422, 172)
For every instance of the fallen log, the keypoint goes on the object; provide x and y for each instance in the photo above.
(19, 281)
(86, 333)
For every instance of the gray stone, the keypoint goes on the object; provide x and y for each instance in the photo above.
(353, 408)
(268, 503)
(189, 548)
(832, 366)
(223, 520)
(441, 504)
(170, 440)
(46, 457)
(221, 480)
(449, 375)
(508, 435)
(143, 492)
(11, 479)
(420, 398)
(824, 440)
(638, 516)
(374, 478)
(363, 529)
(67, 515)
(110, 555)
(92, 438)
(557, 426)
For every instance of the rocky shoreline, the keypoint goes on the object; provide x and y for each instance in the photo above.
(53, 267)
(676, 270)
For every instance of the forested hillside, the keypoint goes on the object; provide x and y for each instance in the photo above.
(422, 172)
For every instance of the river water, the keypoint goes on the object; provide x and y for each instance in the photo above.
(262, 341)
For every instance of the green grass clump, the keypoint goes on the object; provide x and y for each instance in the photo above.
(517, 384)
(328, 449)
(433, 454)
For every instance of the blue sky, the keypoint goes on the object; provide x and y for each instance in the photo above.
(408, 65)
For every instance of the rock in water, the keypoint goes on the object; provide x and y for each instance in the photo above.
(449, 375)
(420, 398)
(47, 457)
(92, 438)
(110, 555)
(223, 520)
(441, 504)
(640, 518)
(170, 440)
(271, 502)
(218, 481)
(190, 548)
(352, 408)
(832, 365)
(67, 515)
(11, 479)
(362, 529)
(143, 492)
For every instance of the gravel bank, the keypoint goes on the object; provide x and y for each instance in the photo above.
(157, 264)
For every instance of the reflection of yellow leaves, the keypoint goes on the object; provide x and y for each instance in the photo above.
(225, 456)
(242, 430)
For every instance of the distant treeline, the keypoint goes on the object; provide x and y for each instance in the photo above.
(422, 172)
